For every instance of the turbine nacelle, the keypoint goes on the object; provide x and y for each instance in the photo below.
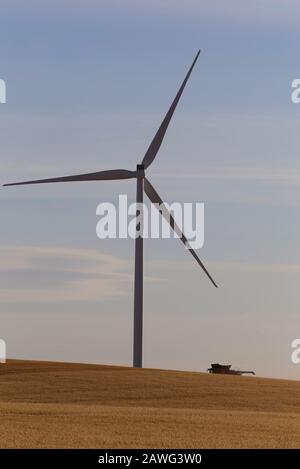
(140, 171)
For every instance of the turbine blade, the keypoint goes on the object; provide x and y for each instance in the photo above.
(99, 176)
(155, 199)
(158, 138)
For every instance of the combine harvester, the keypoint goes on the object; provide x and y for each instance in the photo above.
(216, 368)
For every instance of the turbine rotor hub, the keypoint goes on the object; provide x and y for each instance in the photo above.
(140, 170)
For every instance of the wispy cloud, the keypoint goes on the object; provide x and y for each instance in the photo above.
(229, 267)
(231, 10)
(237, 173)
(97, 276)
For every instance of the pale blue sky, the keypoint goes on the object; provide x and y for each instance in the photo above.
(88, 83)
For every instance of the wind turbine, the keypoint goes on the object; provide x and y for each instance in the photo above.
(143, 185)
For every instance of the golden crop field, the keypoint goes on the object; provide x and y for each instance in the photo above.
(64, 405)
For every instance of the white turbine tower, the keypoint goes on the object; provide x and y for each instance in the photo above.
(143, 185)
